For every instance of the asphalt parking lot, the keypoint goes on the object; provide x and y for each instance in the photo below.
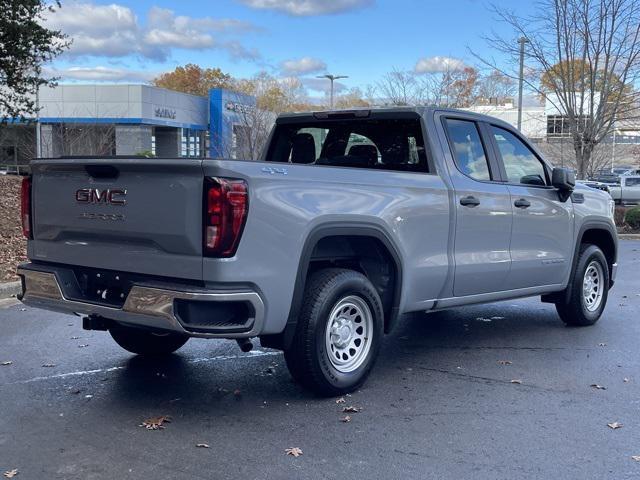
(441, 402)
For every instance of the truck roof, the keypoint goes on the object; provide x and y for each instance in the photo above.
(384, 112)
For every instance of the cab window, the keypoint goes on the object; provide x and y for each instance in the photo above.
(468, 150)
(521, 164)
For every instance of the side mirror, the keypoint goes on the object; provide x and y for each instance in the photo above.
(565, 181)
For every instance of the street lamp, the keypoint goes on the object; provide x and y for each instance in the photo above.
(521, 41)
(332, 78)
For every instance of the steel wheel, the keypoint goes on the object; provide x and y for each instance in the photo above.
(592, 286)
(348, 333)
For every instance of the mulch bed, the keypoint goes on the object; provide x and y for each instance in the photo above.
(12, 243)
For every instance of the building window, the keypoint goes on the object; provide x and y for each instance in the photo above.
(560, 126)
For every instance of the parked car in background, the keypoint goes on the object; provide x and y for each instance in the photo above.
(593, 184)
(627, 190)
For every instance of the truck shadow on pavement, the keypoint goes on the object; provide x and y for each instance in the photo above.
(471, 338)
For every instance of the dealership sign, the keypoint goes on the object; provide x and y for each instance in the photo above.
(238, 107)
(162, 112)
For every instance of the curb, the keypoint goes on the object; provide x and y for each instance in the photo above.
(10, 289)
(629, 236)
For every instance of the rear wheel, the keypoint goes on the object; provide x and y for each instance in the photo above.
(146, 342)
(588, 289)
(338, 334)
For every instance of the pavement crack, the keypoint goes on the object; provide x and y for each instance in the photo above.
(490, 380)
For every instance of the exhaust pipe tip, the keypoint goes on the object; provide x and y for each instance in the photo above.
(245, 344)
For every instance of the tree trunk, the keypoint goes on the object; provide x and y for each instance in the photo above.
(584, 150)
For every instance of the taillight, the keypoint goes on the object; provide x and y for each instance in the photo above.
(25, 207)
(226, 204)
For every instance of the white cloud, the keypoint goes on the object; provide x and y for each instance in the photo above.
(438, 64)
(115, 31)
(303, 8)
(323, 85)
(101, 74)
(303, 65)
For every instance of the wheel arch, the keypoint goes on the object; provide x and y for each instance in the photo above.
(602, 235)
(338, 244)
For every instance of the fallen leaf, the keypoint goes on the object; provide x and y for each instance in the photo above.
(345, 419)
(293, 451)
(351, 409)
(202, 445)
(340, 400)
(11, 473)
(636, 458)
(517, 381)
(598, 387)
(614, 425)
(6, 363)
(505, 362)
(155, 423)
(48, 365)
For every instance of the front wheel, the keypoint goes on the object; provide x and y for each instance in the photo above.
(338, 334)
(588, 289)
(146, 342)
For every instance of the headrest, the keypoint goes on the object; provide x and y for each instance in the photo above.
(303, 149)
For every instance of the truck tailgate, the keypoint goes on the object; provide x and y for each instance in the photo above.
(133, 215)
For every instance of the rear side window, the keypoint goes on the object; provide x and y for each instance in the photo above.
(520, 163)
(632, 182)
(467, 149)
(360, 143)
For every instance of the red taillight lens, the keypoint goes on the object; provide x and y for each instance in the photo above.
(25, 206)
(226, 202)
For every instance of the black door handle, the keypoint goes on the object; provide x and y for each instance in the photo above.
(469, 201)
(522, 203)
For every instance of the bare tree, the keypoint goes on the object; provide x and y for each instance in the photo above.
(400, 88)
(496, 87)
(583, 56)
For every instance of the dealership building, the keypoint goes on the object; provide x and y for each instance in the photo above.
(76, 120)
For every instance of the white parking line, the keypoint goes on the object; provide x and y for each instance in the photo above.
(252, 354)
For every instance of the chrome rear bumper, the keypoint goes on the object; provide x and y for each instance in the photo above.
(144, 306)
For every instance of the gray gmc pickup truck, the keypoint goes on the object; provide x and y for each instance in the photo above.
(349, 220)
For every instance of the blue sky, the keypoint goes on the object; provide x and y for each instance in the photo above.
(125, 40)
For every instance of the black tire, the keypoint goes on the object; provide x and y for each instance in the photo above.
(308, 357)
(574, 312)
(147, 342)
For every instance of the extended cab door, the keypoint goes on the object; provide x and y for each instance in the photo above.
(542, 234)
(483, 211)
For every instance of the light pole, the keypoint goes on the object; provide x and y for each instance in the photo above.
(613, 146)
(521, 41)
(332, 78)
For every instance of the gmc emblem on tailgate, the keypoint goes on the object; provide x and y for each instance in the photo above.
(107, 196)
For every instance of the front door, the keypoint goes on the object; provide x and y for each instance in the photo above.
(483, 213)
(542, 235)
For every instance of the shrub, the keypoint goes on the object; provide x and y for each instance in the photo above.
(619, 215)
(632, 217)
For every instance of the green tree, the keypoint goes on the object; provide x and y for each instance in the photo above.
(194, 79)
(25, 45)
